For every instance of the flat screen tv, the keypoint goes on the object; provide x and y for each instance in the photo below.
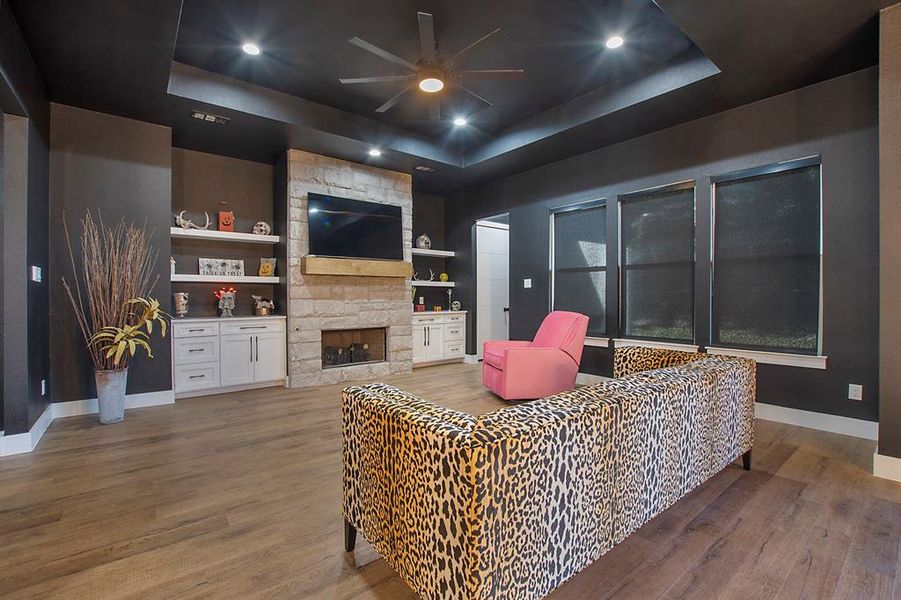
(354, 229)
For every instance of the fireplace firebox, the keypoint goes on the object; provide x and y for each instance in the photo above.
(346, 347)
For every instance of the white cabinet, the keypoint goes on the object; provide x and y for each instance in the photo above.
(217, 355)
(438, 337)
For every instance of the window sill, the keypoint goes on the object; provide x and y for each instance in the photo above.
(804, 361)
(622, 342)
(597, 342)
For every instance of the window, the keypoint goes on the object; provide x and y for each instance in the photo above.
(657, 249)
(766, 259)
(579, 264)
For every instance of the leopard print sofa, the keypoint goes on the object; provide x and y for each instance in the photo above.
(516, 501)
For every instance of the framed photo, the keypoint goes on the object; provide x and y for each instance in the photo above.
(221, 266)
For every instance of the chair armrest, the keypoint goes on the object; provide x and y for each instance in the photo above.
(502, 345)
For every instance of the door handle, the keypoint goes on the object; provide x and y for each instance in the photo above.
(506, 309)
(427, 332)
(258, 349)
(251, 348)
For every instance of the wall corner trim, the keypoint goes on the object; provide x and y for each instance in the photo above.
(887, 467)
(590, 379)
(868, 430)
(26, 442)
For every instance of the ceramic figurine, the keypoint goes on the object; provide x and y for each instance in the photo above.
(424, 242)
(267, 267)
(226, 220)
(262, 228)
(262, 306)
(443, 277)
(226, 302)
(180, 301)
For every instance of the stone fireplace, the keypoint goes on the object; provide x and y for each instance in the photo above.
(321, 304)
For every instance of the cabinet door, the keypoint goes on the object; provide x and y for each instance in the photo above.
(236, 360)
(434, 337)
(419, 347)
(269, 356)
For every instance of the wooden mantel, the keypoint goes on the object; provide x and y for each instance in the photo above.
(361, 267)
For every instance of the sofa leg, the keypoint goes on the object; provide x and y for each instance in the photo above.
(350, 536)
(746, 460)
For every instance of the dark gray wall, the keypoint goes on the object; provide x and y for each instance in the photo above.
(836, 119)
(428, 219)
(890, 223)
(123, 168)
(25, 232)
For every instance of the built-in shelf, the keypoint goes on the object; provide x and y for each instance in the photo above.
(223, 236)
(433, 283)
(429, 252)
(188, 278)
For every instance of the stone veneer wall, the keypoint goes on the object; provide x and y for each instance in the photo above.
(321, 302)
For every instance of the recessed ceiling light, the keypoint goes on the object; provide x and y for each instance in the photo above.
(251, 48)
(375, 152)
(614, 42)
(460, 121)
(431, 85)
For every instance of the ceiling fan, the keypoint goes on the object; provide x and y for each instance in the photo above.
(431, 73)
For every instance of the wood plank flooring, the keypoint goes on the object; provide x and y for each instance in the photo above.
(238, 496)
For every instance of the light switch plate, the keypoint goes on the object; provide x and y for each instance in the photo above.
(527, 283)
(37, 274)
(855, 391)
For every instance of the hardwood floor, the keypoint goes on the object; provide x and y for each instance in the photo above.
(238, 496)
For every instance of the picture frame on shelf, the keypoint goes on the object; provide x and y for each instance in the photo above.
(229, 267)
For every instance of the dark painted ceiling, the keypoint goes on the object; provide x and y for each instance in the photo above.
(306, 49)
(683, 60)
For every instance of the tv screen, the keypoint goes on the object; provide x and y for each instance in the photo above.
(352, 228)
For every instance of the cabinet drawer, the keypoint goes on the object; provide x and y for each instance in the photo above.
(186, 330)
(251, 327)
(453, 349)
(426, 320)
(454, 318)
(196, 377)
(192, 350)
(453, 333)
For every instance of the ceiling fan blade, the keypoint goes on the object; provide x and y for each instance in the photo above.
(490, 74)
(377, 79)
(473, 45)
(434, 109)
(474, 95)
(393, 100)
(427, 36)
(360, 43)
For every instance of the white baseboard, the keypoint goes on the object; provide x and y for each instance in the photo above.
(26, 442)
(887, 467)
(868, 430)
(471, 359)
(21, 443)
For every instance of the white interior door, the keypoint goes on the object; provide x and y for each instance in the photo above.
(492, 282)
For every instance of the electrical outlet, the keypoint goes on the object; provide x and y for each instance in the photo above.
(36, 274)
(43, 387)
(527, 283)
(855, 391)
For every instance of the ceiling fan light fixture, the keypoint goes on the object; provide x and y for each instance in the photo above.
(431, 84)
(251, 49)
(614, 42)
(460, 121)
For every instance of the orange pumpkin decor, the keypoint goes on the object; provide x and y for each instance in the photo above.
(226, 220)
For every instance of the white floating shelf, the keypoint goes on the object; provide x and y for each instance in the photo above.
(223, 236)
(188, 278)
(433, 283)
(425, 252)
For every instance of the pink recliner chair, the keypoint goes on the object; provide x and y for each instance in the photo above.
(547, 365)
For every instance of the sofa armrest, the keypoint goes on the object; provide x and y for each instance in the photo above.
(407, 465)
(635, 359)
